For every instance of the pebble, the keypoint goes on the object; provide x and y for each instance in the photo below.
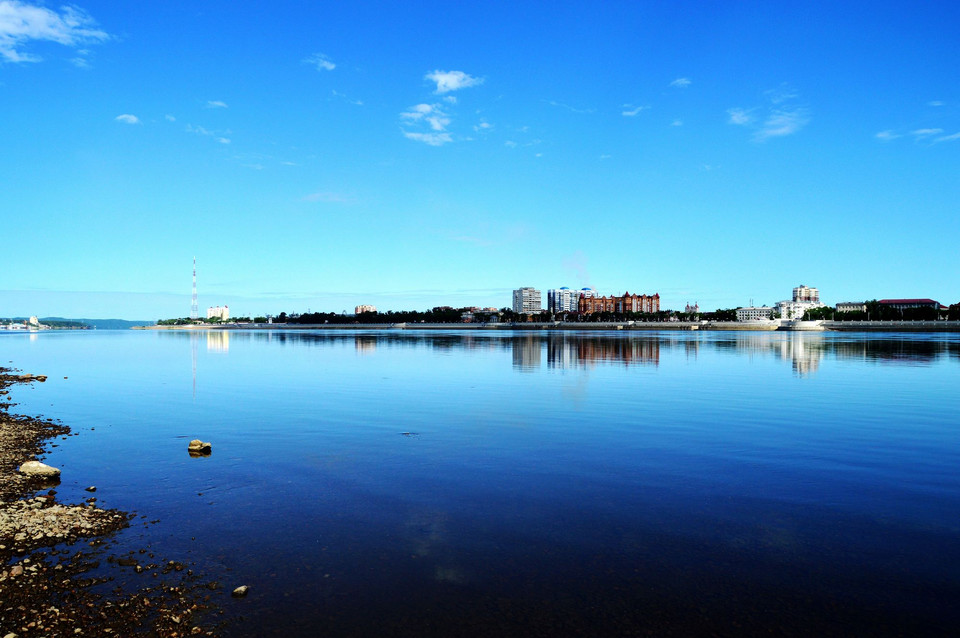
(240, 591)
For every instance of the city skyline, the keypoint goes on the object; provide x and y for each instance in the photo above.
(324, 157)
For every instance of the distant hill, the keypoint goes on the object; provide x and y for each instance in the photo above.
(103, 324)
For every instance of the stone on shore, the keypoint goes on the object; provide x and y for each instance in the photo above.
(240, 591)
(36, 468)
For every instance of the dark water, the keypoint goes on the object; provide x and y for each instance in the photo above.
(529, 484)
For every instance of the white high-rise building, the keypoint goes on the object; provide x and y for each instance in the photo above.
(526, 300)
(218, 312)
(804, 298)
(563, 300)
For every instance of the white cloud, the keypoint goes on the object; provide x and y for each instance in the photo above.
(199, 130)
(417, 112)
(433, 139)
(169, 118)
(223, 140)
(321, 62)
(631, 111)
(948, 138)
(452, 80)
(450, 99)
(483, 127)
(886, 136)
(21, 23)
(676, 123)
(779, 118)
(328, 197)
(568, 107)
(936, 103)
(126, 118)
(681, 83)
(783, 122)
(926, 132)
(740, 116)
(216, 104)
(510, 144)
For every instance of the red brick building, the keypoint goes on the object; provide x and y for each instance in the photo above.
(625, 303)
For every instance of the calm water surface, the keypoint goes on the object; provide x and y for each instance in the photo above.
(523, 484)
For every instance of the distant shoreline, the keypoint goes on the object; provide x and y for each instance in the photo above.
(823, 326)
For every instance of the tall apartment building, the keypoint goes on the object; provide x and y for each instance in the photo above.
(526, 300)
(364, 308)
(563, 300)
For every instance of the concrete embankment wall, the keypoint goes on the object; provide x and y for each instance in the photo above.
(892, 326)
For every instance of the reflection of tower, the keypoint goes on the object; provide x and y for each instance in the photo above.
(194, 342)
(194, 307)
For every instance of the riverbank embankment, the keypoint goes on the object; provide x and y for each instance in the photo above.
(834, 326)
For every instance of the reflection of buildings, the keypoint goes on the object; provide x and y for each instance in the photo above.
(365, 344)
(567, 352)
(526, 353)
(218, 341)
(804, 351)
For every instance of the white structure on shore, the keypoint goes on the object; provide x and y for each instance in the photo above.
(364, 308)
(218, 312)
(851, 306)
(804, 298)
(526, 300)
(755, 313)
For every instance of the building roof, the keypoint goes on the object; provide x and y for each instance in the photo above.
(904, 301)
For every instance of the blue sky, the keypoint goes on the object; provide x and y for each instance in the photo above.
(320, 155)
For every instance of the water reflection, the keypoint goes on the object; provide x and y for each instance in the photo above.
(570, 350)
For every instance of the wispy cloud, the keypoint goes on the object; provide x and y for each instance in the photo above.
(782, 122)
(483, 127)
(922, 133)
(780, 117)
(740, 117)
(452, 80)
(629, 110)
(431, 139)
(681, 83)
(321, 62)
(126, 118)
(223, 140)
(21, 23)
(676, 123)
(572, 109)
(327, 197)
(948, 138)
(216, 104)
(341, 96)
(886, 136)
(169, 118)
(936, 103)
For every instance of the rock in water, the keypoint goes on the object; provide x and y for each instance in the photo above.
(240, 591)
(36, 468)
(198, 447)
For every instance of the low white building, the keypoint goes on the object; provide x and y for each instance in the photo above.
(851, 306)
(754, 313)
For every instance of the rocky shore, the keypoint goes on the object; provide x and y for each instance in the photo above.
(55, 566)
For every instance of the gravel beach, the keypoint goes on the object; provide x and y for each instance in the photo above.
(56, 570)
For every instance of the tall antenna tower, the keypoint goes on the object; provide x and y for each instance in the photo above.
(194, 308)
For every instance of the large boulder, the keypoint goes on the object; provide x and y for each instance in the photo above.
(198, 448)
(36, 468)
